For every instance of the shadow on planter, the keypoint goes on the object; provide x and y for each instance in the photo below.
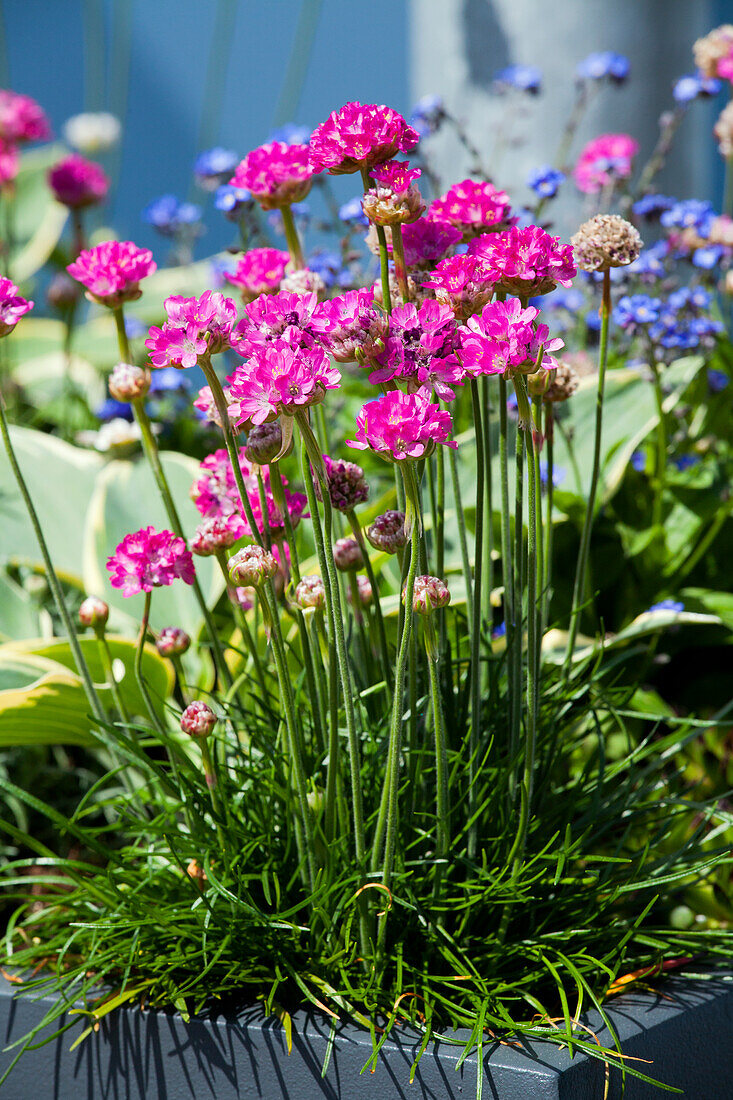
(684, 1032)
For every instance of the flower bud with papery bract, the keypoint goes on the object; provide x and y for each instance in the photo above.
(252, 566)
(172, 641)
(605, 241)
(387, 532)
(128, 382)
(198, 719)
(428, 595)
(347, 485)
(264, 442)
(347, 555)
(94, 612)
(310, 592)
(217, 533)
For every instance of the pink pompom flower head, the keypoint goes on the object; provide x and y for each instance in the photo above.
(419, 351)
(350, 326)
(215, 495)
(402, 426)
(77, 182)
(462, 283)
(260, 271)
(603, 160)
(395, 199)
(283, 316)
(525, 261)
(112, 271)
(473, 207)
(504, 338)
(279, 378)
(21, 119)
(12, 306)
(195, 327)
(9, 163)
(276, 175)
(150, 559)
(359, 136)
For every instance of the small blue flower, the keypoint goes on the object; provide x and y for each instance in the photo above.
(134, 327)
(216, 162)
(351, 211)
(667, 605)
(593, 321)
(636, 309)
(525, 78)
(606, 63)
(651, 206)
(638, 461)
(499, 631)
(689, 214)
(230, 200)
(427, 115)
(545, 181)
(569, 298)
(718, 380)
(330, 266)
(559, 473)
(291, 134)
(694, 85)
(685, 462)
(649, 264)
(169, 380)
(168, 215)
(709, 257)
(111, 410)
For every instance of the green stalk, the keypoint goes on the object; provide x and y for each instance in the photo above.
(516, 668)
(106, 658)
(442, 803)
(536, 432)
(53, 581)
(461, 523)
(381, 632)
(582, 567)
(661, 448)
(241, 621)
(507, 565)
(488, 547)
(400, 267)
(549, 526)
(476, 623)
(278, 493)
(295, 248)
(383, 254)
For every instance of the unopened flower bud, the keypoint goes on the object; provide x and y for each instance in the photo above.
(347, 485)
(310, 592)
(539, 382)
(303, 282)
(198, 719)
(388, 532)
(252, 566)
(264, 442)
(172, 641)
(347, 555)
(128, 382)
(216, 533)
(363, 591)
(563, 384)
(605, 241)
(429, 594)
(94, 612)
(63, 292)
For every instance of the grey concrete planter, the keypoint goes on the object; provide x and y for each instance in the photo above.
(685, 1031)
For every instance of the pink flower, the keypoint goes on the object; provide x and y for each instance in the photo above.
(419, 351)
(462, 283)
(503, 338)
(149, 559)
(473, 207)
(401, 426)
(350, 323)
(275, 174)
(217, 533)
(77, 182)
(112, 271)
(216, 495)
(604, 159)
(395, 199)
(21, 118)
(9, 162)
(260, 271)
(12, 306)
(206, 404)
(525, 261)
(195, 327)
(275, 317)
(359, 136)
(426, 241)
(279, 378)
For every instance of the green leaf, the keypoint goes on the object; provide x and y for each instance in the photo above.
(37, 219)
(18, 613)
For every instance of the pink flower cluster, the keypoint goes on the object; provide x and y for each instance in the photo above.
(283, 316)
(279, 378)
(12, 306)
(216, 496)
(462, 283)
(149, 559)
(276, 174)
(77, 182)
(21, 119)
(604, 159)
(395, 198)
(426, 241)
(504, 338)
(9, 162)
(400, 426)
(396, 176)
(112, 271)
(359, 136)
(473, 207)
(419, 350)
(526, 261)
(260, 271)
(195, 327)
(348, 324)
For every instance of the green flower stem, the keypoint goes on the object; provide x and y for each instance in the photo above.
(442, 801)
(660, 464)
(278, 493)
(334, 610)
(488, 541)
(295, 248)
(106, 658)
(582, 566)
(181, 676)
(383, 254)
(53, 581)
(266, 532)
(516, 668)
(507, 565)
(476, 623)
(462, 537)
(381, 632)
(537, 442)
(241, 620)
(395, 734)
(231, 445)
(549, 525)
(400, 267)
(304, 828)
